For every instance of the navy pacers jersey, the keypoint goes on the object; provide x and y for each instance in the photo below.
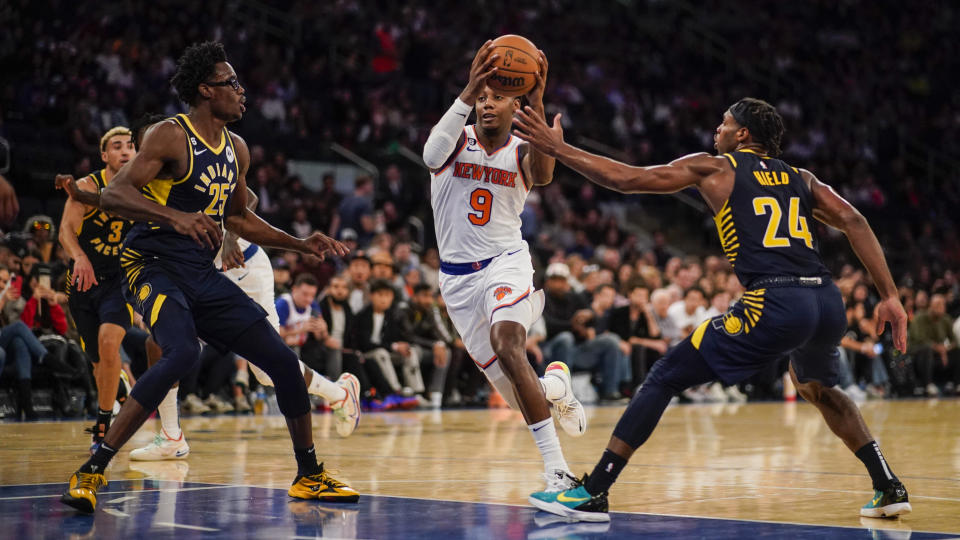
(766, 226)
(206, 187)
(101, 235)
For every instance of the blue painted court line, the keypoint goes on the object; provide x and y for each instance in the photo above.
(158, 509)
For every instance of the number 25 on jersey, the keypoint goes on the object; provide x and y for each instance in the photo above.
(796, 224)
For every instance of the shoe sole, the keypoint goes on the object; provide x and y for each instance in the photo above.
(82, 505)
(561, 510)
(888, 511)
(161, 458)
(346, 499)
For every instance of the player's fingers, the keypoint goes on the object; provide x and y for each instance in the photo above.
(900, 335)
(881, 323)
(556, 121)
(483, 48)
(521, 135)
(487, 74)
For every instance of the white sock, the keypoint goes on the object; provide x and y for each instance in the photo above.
(553, 387)
(325, 388)
(545, 435)
(170, 415)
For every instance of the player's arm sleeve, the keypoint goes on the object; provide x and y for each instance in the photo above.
(446, 135)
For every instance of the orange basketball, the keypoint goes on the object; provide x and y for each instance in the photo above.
(515, 67)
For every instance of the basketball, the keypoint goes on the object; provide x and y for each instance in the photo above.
(516, 66)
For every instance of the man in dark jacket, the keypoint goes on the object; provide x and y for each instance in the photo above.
(430, 335)
(382, 336)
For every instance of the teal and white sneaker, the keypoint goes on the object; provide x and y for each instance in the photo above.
(891, 502)
(575, 503)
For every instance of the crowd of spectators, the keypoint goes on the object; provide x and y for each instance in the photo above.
(862, 111)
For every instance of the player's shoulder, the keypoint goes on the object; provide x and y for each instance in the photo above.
(162, 133)
(243, 151)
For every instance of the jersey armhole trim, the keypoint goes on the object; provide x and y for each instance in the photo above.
(523, 176)
(453, 156)
(732, 160)
(186, 134)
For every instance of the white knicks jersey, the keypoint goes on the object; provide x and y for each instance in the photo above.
(477, 199)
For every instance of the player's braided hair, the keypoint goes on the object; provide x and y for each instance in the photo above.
(197, 65)
(763, 121)
(140, 125)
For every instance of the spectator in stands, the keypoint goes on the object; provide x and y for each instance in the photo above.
(689, 312)
(302, 327)
(359, 203)
(431, 337)
(359, 272)
(669, 331)
(18, 344)
(636, 326)
(934, 346)
(383, 337)
(572, 336)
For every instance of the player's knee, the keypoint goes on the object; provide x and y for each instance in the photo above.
(507, 339)
(812, 391)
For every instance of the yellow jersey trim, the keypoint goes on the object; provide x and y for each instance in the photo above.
(732, 160)
(223, 135)
(698, 334)
(754, 152)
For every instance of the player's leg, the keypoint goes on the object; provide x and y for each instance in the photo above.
(173, 326)
(342, 395)
(170, 442)
(681, 368)
(262, 346)
(107, 376)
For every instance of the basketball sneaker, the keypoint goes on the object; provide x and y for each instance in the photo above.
(574, 502)
(162, 447)
(570, 413)
(346, 412)
(81, 492)
(322, 487)
(890, 502)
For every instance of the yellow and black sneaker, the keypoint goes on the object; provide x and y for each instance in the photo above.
(322, 487)
(82, 491)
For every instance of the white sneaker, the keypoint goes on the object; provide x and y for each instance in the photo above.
(932, 390)
(714, 393)
(192, 404)
(570, 413)
(217, 404)
(855, 393)
(347, 411)
(162, 448)
(559, 480)
(735, 395)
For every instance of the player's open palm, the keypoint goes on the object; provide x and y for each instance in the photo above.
(320, 245)
(533, 128)
(891, 311)
(199, 226)
(83, 275)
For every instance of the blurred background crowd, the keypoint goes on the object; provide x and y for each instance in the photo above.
(864, 87)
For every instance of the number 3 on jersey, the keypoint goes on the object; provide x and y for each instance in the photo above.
(481, 200)
(797, 225)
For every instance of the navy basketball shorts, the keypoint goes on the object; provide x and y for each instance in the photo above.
(220, 309)
(804, 323)
(103, 303)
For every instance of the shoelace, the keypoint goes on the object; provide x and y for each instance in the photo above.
(559, 483)
(89, 481)
(326, 480)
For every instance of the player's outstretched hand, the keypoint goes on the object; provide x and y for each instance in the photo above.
(481, 70)
(531, 127)
(891, 311)
(83, 275)
(320, 245)
(536, 94)
(199, 226)
(9, 207)
(231, 256)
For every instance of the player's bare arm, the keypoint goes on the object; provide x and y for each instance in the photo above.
(67, 183)
(163, 146)
(8, 201)
(835, 211)
(446, 136)
(245, 223)
(690, 170)
(82, 274)
(231, 254)
(538, 166)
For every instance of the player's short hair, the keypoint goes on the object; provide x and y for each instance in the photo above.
(763, 121)
(305, 279)
(113, 132)
(197, 65)
(140, 125)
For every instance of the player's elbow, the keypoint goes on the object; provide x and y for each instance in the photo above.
(851, 218)
(432, 158)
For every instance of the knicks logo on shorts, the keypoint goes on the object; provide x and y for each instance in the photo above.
(501, 293)
(144, 293)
